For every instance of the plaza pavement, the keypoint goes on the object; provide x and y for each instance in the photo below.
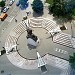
(9, 68)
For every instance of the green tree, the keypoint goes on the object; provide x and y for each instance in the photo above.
(72, 60)
(62, 8)
(57, 8)
(37, 6)
(2, 3)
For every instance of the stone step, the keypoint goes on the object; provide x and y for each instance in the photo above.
(34, 24)
(63, 39)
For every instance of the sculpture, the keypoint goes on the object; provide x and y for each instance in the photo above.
(32, 39)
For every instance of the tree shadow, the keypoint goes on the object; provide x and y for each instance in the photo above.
(60, 20)
(37, 14)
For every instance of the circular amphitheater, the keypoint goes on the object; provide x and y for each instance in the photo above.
(21, 56)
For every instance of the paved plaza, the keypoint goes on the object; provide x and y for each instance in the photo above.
(54, 50)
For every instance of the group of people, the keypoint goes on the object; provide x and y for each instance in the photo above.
(24, 18)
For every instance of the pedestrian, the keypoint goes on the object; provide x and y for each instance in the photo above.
(27, 13)
(24, 18)
(15, 20)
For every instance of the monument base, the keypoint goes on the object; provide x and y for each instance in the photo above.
(32, 44)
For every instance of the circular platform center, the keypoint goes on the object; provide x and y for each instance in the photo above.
(42, 48)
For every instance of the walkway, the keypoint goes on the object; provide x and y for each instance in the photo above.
(27, 63)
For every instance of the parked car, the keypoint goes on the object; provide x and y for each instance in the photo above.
(11, 2)
(3, 16)
(5, 9)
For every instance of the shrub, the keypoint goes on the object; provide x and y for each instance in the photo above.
(72, 60)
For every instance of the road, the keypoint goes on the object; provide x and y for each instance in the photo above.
(12, 12)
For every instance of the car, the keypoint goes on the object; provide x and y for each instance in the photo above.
(5, 9)
(11, 2)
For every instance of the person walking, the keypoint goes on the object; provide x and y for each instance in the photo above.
(15, 20)
(27, 13)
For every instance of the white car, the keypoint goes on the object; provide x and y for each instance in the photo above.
(11, 2)
(5, 9)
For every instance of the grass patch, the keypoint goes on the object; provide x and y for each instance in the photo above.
(49, 1)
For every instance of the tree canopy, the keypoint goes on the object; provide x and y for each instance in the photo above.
(62, 8)
(37, 6)
(2, 3)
